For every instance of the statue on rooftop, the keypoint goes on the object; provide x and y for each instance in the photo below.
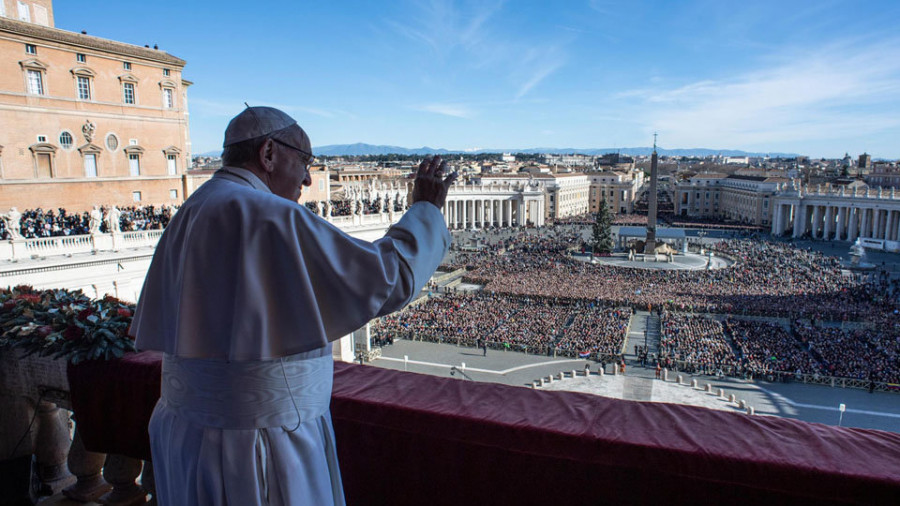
(95, 220)
(112, 220)
(11, 219)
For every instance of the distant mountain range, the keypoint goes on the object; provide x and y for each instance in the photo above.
(360, 149)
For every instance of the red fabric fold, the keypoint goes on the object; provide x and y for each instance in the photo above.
(113, 400)
(407, 438)
(455, 442)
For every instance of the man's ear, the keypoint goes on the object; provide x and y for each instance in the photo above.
(266, 152)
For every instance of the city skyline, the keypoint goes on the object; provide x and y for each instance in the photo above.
(818, 80)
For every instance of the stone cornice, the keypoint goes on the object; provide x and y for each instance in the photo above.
(87, 41)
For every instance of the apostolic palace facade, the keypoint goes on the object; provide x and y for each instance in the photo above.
(87, 120)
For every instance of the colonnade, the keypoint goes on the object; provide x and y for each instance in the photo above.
(844, 221)
(477, 212)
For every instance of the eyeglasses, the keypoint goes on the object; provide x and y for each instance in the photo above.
(309, 156)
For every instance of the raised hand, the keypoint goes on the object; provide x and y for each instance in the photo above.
(430, 184)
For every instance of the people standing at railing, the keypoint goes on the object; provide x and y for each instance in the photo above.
(38, 223)
(244, 296)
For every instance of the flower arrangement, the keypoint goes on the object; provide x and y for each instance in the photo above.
(64, 324)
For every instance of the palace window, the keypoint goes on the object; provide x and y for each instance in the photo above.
(83, 77)
(173, 194)
(84, 88)
(134, 154)
(90, 165)
(112, 142)
(126, 65)
(128, 93)
(35, 82)
(134, 164)
(136, 196)
(168, 98)
(166, 72)
(30, 49)
(43, 155)
(80, 58)
(171, 164)
(66, 140)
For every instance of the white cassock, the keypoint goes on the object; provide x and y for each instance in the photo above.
(244, 296)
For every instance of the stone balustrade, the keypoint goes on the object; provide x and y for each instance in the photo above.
(36, 419)
(43, 247)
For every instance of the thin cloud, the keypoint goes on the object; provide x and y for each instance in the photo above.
(845, 89)
(477, 37)
(454, 110)
(543, 72)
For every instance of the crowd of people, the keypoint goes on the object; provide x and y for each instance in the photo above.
(539, 297)
(40, 223)
(510, 323)
(697, 341)
(768, 279)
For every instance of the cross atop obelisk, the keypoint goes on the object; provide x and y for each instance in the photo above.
(650, 243)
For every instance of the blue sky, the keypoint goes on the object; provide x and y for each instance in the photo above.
(814, 77)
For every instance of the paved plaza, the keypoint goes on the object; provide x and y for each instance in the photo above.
(812, 403)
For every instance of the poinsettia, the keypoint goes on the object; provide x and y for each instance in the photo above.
(64, 324)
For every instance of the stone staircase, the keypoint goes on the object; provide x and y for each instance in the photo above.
(644, 331)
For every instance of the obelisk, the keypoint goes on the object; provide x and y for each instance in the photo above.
(650, 243)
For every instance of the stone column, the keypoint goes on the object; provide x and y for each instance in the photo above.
(465, 214)
(508, 205)
(121, 472)
(844, 222)
(86, 466)
(888, 221)
(451, 210)
(876, 224)
(829, 221)
(817, 217)
(520, 212)
(798, 219)
(51, 446)
(776, 216)
(479, 213)
(853, 223)
(866, 223)
(892, 226)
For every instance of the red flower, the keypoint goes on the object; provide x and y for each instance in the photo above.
(73, 333)
(84, 313)
(44, 330)
(29, 297)
(8, 305)
(124, 312)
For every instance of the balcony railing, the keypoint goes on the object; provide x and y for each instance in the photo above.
(406, 438)
(18, 249)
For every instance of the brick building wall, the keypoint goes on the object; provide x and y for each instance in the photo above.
(85, 120)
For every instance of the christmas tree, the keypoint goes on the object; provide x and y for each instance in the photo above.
(602, 240)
